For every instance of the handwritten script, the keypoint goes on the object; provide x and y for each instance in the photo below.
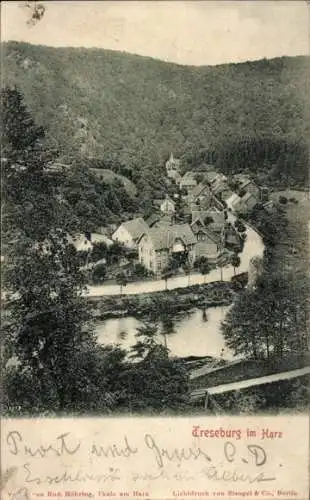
(98, 460)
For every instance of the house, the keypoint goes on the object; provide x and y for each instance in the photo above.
(249, 186)
(231, 238)
(173, 168)
(152, 219)
(248, 202)
(200, 195)
(210, 176)
(217, 180)
(85, 242)
(158, 244)
(264, 194)
(208, 243)
(234, 202)
(188, 180)
(217, 220)
(129, 232)
(222, 191)
(167, 206)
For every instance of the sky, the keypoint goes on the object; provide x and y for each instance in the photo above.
(187, 32)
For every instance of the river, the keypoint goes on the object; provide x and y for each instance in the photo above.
(193, 334)
(196, 333)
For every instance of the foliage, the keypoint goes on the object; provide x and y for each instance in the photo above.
(46, 332)
(99, 274)
(167, 273)
(99, 251)
(240, 226)
(121, 280)
(283, 200)
(269, 321)
(235, 261)
(241, 117)
(94, 202)
(140, 270)
(156, 383)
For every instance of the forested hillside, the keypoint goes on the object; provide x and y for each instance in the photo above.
(128, 112)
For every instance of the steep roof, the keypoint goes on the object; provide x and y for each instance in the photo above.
(136, 227)
(198, 189)
(173, 160)
(211, 175)
(219, 185)
(164, 236)
(248, 196)
(189, 177)
(233, 200)
(152, 219)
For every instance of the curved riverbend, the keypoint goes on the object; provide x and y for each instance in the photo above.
(195, 334)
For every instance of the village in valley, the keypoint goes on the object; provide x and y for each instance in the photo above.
(155, 222)
(196, 227)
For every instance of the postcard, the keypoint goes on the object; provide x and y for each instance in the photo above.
(155, 249)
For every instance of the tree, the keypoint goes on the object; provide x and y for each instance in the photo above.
(240, 226)
(42, 279)
(121, 280)
(99, 273)
(267, 322)
(166, 274)
(187, 270)
(204, 267)
(235, 261)
(155, 382)
(208, 220)
(140, 270)
(99, 251)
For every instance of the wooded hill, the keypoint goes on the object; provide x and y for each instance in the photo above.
(128, 112)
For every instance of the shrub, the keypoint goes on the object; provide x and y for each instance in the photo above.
(282, 200)
(140, 271)
(99, 274)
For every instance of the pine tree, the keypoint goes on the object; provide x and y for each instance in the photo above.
(42, 280)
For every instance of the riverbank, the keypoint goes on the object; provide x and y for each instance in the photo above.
(156, 304)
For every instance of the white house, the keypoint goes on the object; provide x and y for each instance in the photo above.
(129, 232)
(173, 167)
(167, 206)
(234, 202)
(86, 241)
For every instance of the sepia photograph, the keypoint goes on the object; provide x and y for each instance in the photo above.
(155, 209)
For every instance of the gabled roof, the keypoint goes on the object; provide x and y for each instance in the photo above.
(211, 175)
(171, 159)
(163, 236)
(219, 186)
(190, 174)
(196, 191)
(247, 197)
(214, 237)
(189, 177)
(241, 178)
(168, 199)
(231, 234)
(233, 200)
(152, 219)
(200, 223)
(136, 227)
